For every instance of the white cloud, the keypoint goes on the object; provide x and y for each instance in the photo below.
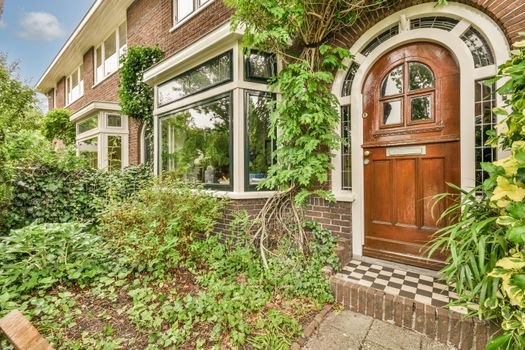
(40, 26)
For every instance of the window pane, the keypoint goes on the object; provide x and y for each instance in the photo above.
(420, 76)
(421, 108)
(122, 36)
(114, 120)
(110, 55)
(260, 145)
(260, 66)
(88, 149)
(114, 153)
(148, 145)
(100, 68)
(88, 124)
(346, 153)
(184, 8)
(485, 120)
(195, 143)
(393, 83)
(81, 77)
(392, 112)
(479, 48)
(210, 74)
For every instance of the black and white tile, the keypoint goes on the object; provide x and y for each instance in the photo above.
(422, 288)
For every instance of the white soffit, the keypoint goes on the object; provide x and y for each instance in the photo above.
(103, 17)
(94, 107)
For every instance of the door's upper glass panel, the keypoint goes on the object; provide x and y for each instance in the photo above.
(420, 76)
(393, 82)
(392, 112)
(421, 108)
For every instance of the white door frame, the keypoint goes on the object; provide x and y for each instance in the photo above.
(467, 17)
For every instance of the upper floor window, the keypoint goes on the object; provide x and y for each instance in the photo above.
(75, 85)
(184, 8)
(107, 54)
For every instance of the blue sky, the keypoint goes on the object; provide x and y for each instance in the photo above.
(33, 31)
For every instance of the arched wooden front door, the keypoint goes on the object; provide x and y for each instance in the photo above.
(411, 149)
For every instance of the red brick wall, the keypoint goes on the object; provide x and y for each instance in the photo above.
(51, 98)
(61, 93)
(135, 128)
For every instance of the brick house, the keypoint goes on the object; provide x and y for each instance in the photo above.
(414, 108)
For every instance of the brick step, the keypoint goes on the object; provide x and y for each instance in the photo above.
(438, 323)
(343, 251)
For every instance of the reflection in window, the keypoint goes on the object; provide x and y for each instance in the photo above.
(384, 36)
(88, 124)
(114, 153)
(479, 48)
(346, 153)
(148, 144)
(88, 149)
(485, 120)
(421, 108)
(438, 22)
(114, 120)
(260, 66)
(212, 73)
(349, 79)
(393, 82)
(195, 143)
(260, 145)
(420, 76)
(392, 113)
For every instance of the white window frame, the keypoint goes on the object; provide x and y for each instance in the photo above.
(468, 75)
(69, 89)
(198, 6)
(119, 52)
(102, 132)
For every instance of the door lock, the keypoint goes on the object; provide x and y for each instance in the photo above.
(367, 153)
(366, 161)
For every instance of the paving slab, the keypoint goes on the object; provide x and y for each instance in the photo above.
(347, 330)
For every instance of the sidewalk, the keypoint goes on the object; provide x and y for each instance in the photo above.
(346, 330)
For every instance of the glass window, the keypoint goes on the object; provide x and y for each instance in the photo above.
(392, 112)
(349, 79)
(114, 120)
(196, 143)
(384, 36)
(184, 8)
(393, 82)
(421, 108)
(122, 35)
(114, 153)
(485, 120)
(107, 54)
(259, 144)
(75, 85)
(148, 154)
(260, 66)
(88, 124)
(346, 152)
(212, 73)
(438, 22)
(420, 76)
(110, 54)
(479, 48)
(88, 149)
(98, 63)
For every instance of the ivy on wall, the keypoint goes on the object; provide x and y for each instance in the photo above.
(136, 97)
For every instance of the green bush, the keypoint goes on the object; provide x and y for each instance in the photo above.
(155, 228)
(56, 125)
(38, 257)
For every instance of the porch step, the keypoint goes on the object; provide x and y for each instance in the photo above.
(411, 300)
(343, 251)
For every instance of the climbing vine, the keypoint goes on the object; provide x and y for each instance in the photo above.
(136, 97)
(306, 115)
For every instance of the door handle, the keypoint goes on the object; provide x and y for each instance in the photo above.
(367, 153)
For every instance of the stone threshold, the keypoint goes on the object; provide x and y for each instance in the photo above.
(363, 287)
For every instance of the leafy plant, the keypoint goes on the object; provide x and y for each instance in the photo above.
(56, 125)
(136, 97)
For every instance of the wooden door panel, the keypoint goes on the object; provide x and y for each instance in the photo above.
(400, 211)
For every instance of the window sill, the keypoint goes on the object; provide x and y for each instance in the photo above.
(105, 78)
(239, 195)
(75, 100)
(190, 16)
(345, 196)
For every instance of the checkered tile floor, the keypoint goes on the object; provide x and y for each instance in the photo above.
(418, 287)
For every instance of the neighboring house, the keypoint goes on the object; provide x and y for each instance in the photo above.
(413, 107)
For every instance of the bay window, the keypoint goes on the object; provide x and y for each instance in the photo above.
(75, 85)
(108, 53)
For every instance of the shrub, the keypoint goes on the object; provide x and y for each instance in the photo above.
(155, 228)
(40, 256)
(56, 125)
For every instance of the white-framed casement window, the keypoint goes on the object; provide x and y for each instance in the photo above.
(108, 53)
(75, 85)
(212, 122)
(184, 9)
(102, 139)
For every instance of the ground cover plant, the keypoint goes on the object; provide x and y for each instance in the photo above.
(486, 244)
(153, 274)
